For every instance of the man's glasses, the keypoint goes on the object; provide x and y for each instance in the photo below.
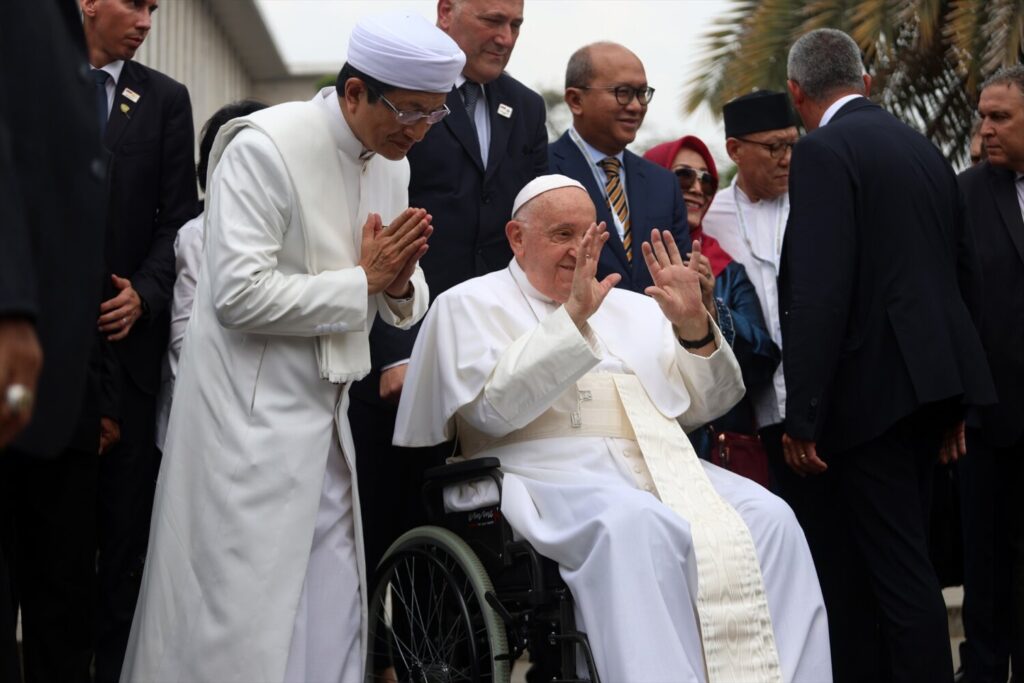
(411, 118)
(775, 149)
(624, 94)
(688, 176)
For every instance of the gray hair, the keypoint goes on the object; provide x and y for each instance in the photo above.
(1009, 75)
(824, 62)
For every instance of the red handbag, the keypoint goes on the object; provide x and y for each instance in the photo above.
(743, 454)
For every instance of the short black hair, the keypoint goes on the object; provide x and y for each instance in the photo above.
(374, 87)
(213, 125)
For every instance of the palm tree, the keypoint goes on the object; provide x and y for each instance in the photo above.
(927, 57)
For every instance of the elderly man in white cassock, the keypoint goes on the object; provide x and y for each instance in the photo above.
(253, 572)
(681, 571)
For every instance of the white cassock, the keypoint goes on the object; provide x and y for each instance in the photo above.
(496, 358)
(254, 566)
(752, 233)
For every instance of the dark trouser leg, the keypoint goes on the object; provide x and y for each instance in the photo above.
(885, 487)
(9, 668)
(126, 486)
(986, 563)
(1013, 518)
(55, 527)
(857, 650)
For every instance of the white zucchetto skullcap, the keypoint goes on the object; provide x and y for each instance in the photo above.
(540, 185)
(406, 51)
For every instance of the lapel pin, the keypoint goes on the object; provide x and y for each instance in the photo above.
(130, 94)
(125, 109)
(505, 110)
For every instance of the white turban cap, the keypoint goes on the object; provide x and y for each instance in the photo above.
(406, 51)
(540, 185)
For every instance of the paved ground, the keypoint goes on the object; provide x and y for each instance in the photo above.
(954, 600)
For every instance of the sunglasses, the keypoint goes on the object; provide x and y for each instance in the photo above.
(688, 176)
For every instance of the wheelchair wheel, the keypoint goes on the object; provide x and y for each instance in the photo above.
(428, 619)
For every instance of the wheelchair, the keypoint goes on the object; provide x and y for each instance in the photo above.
(462, 600)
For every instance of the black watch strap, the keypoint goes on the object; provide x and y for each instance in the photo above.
(703, 341)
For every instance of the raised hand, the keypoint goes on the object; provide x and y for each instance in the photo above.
(389, 255)
(707, 284)
(587, 293)
(677, 285)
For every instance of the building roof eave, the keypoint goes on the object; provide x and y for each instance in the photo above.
(251, 38)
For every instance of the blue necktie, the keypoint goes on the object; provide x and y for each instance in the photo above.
(470, 95)
(102, 110)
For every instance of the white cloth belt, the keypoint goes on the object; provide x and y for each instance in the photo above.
(736, 628)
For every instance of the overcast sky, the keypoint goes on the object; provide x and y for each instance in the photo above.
(312, 36)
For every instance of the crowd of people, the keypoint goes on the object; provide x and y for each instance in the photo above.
(718, 409)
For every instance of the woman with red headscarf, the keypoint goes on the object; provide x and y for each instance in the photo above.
(729, 295)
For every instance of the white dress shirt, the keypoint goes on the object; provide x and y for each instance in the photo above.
(481, 118)
(114, 69)
(596, 156)
(752, 233)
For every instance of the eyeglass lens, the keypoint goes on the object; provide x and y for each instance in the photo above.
(624, 94)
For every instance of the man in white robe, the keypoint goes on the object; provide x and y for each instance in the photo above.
(577, 388)
(253, 571)
(748, 218)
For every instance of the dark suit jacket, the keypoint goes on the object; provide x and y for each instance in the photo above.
(52, 170)
(994, 214)
(876, 268)
(655, 201)
(152, 192)
(470, 205)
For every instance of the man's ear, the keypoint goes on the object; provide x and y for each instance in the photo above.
(354, 89)
(88, 7)
(732, 148)
(514, 233)
(796, 93)
(445, 8)
(867, 85)
(574, 99)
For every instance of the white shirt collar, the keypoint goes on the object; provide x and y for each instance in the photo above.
(540, 304)
(596, 155)
(113, 68)
(347, 142)
(836, 106)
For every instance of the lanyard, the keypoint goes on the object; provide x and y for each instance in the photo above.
(781, 213)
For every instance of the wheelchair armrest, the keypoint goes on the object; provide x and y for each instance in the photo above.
(436, 478)
(467, 470)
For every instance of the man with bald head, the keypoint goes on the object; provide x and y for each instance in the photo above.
(583, 390)
(607, 92)
(465, 172)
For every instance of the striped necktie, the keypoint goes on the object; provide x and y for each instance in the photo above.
(617, 201)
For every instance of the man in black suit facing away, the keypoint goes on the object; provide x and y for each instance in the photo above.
(881, 354)
(51, 230)
(152, 192)
(466, 172)
(992, 473)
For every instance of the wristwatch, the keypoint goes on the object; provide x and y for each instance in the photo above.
(703, 341)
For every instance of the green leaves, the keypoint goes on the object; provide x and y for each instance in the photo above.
(928, 58)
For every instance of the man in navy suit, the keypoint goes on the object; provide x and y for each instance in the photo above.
(151, 193)
(466, 172)
(881, 357)
(992, 472)
(607, 92)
